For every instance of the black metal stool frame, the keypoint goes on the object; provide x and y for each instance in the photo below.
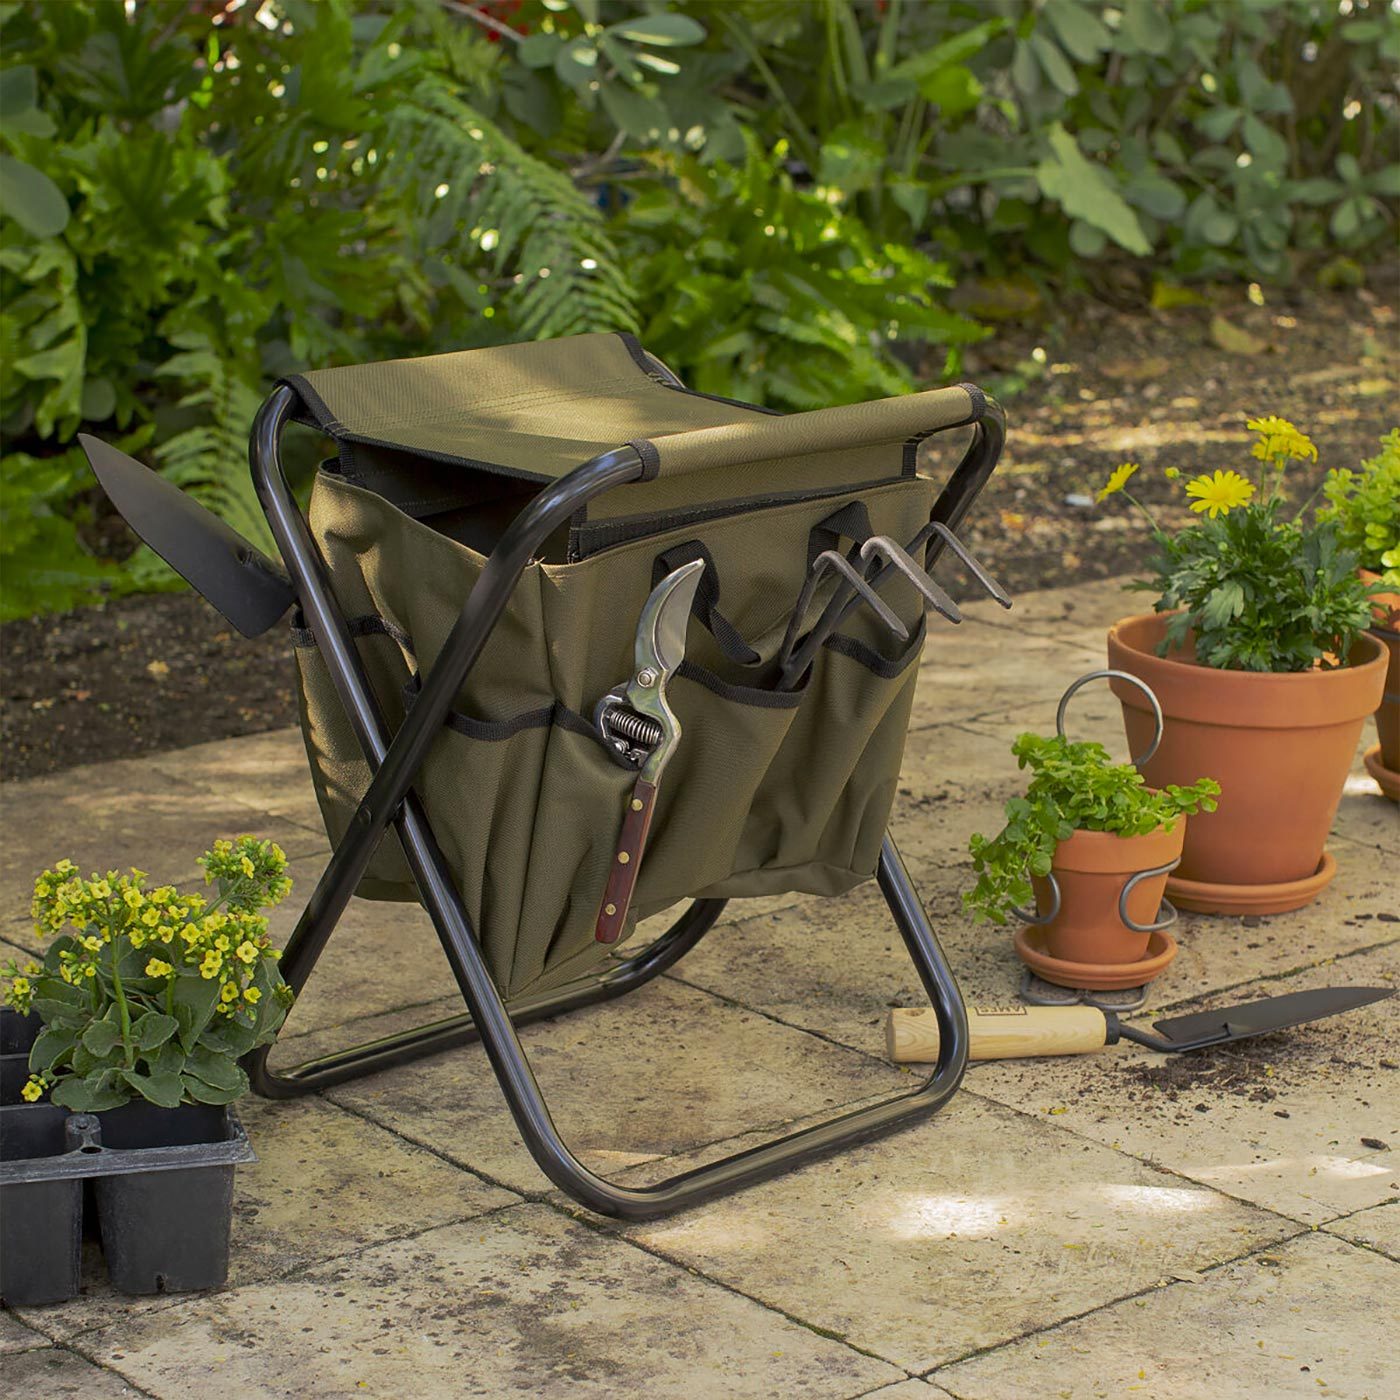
(394, 761)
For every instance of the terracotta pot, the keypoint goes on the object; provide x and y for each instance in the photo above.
(1280, 745)
(1091, 869)
(1385, 608)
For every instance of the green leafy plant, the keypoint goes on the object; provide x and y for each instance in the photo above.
(1074, 787)
(1251, 588)
(153, 993)
(1365, 507)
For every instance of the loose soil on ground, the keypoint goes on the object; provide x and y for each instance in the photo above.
(1085, 387)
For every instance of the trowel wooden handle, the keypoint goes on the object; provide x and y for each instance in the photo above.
(1009, 1032)
(622, 878)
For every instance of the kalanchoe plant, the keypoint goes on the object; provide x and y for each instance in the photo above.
(1257, 589)
(153, 993)
(1365, 506)
(1075, 787)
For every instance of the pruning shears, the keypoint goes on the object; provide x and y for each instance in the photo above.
(638, 726)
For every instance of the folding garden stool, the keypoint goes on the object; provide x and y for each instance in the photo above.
(467, 585)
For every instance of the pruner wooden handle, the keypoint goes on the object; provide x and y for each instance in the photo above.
(622, 878)
(1010, 1032)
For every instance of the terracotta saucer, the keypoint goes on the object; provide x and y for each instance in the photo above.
(1099, 977)
(1201, 897)
(1388, 778)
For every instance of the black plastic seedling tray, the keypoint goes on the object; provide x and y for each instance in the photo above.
(163, 1185)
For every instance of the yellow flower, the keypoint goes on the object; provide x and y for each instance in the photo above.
(213, 961)
(248, 867)
(33, 1090)
(247, 952)
(92, 943)
(228, 992)
(1219, 494)
(157, 968)
(151, 917)
(20, 986)
(1117, 481)
(1280, 440)
(133, 897)
(1171, 473)
(252, 995)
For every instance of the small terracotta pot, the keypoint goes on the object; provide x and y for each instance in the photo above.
(1385, 609)
(1280, 745)
(1091, 869)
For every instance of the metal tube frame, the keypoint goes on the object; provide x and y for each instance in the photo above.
(394, 761)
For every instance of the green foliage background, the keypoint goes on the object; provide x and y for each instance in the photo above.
(778, 196)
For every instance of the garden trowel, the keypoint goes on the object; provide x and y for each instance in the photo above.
(1013, 1031)
(238, 579)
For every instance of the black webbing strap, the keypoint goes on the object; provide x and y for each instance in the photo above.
(851, 522)
(705, 606)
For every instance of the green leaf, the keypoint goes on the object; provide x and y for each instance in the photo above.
(201, 1092)
(164, 1090)
(1386, 182)
(213, 1068)
(1081, 32)
(539, 50)
(90, 1095)
(1224, 603)
(1219, 121)
(1158, 196)
(50, 1045)
(18, 91)
(1085, 191)
(153, 1029)
(1264, 142)
(194, 1000)
(641, 117)
(101, 1038)
(661, 31)
(1146, 26)
(1054, 64)
(31, 199)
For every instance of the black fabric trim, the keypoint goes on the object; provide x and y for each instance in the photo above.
(368, 625)
(659, 374)
(651, 458)
(887, 668)
(321, 415)
(704, 607)
(977, 412)
(741, 694)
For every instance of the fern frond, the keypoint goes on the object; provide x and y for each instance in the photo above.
(510, 212)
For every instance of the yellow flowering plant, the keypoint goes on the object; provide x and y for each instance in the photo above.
(151, 992)
(1254, 588)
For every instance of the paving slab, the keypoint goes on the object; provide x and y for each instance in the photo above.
(973, 670)
(267, 772)
(382, 955)
(1081, 613)
(969, 1230)
(326, 1184)
(661, 1070)
(1313, 1317)
(1281, 1121)
(15, 1336)
(523, 1302)
(115, 816)
(1377, 1228)
(57, 1374)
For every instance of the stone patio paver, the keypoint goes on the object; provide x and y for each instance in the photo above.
(55, 1373)
(1308, 1318)
(964, 1232)
(523, 1302)
(661, 1070)
(15, 1336)
(1377, 1228)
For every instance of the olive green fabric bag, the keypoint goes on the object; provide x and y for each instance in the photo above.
(767, 792)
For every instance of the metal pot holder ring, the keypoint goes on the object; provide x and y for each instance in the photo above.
(1036, 990)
